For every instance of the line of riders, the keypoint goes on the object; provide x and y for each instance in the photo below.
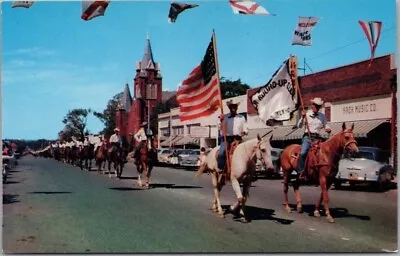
(96, 147)
(315, 160)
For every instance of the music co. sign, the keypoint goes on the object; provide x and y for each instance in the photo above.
(373, 108)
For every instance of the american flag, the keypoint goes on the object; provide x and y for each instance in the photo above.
(199, 94)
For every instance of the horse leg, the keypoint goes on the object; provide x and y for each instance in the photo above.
(317, 206)
(296, 185)
(285, 190)
(325, 197)
(109, 169)
(139, 180)
(241, 197)
(216, 194)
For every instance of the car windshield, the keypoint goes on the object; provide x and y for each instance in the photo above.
(379, 155)
(185, 152)
(195, 152)
(167, 151)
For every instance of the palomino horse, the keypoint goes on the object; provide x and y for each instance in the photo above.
(243, 166)
(324, 166)
(116, 157)
(144, 163)
(101, 156)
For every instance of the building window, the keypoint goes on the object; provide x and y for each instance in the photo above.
(151, 91)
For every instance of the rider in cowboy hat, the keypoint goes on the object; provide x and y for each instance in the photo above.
(141, 138)
(115, 140)
(316, 122)
(235, 128)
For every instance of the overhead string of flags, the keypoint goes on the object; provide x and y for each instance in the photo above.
(199, 94)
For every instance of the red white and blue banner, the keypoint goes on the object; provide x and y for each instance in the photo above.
(302, 34)
(93, 9)
(372, 30)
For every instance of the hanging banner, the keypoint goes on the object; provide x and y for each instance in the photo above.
(302, 33)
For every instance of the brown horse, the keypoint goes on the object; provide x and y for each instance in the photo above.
(101, 156)
(116, 157)
(144, 163)
(322, 161)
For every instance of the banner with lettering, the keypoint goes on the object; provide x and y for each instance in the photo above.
(276, 100)
(302, 34)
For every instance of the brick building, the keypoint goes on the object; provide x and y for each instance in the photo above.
(147, 92)
(355, 93)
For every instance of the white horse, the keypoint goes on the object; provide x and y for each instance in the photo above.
(243, 166)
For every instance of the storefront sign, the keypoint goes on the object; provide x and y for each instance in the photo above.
(372, 108)
(199, 132)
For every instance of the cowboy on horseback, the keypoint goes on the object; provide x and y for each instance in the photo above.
(316, 122)
(115, 141)
(141, 138)
(235, 128)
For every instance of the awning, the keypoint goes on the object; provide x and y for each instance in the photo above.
(166, 143)
(253, 133)
(187, 140)
(279, 132)
(361, 128)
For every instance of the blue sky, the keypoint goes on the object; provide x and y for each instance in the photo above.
(52, 61)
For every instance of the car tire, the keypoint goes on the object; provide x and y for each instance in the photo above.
(384, 181)
(338, 184)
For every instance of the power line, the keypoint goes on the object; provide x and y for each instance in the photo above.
(344, 46)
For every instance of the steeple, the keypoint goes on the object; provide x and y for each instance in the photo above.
(126, 99)
(147, 60)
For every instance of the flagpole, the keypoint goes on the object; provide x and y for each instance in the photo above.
(223, 128)
(293, 75)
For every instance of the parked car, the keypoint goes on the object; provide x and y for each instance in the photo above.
(275, 172)
(191, 159)
(163, 154)
(369, 165)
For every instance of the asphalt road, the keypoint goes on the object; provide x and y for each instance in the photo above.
(50, 207)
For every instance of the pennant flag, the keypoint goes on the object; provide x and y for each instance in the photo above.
(199, 94)
(302, 34)
(93, 9)
(24, 4)
(276, 100)
(176, 9)
(247, 7)
(372, 30)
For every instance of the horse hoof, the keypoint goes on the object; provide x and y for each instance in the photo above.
(300, 209)
(244, 220)
(316, 214)
(287, 209)
(330, 219)
(221, 214)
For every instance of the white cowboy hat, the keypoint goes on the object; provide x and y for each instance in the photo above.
(116, 130)
(317, 101)
(232, 102)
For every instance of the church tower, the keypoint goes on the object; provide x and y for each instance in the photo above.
(147, 90)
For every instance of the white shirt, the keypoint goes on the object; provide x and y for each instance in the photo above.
(86, 142)
(115, 138)
(140, 135)
(235, 125)
(316, 123)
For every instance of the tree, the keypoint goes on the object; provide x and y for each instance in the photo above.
(75, 122)
(108, 115)
(230, 88)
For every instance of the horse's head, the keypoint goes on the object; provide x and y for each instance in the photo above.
(347, 139)
(263, 150)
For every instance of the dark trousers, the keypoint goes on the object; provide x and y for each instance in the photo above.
(305, 147)
(222, 150)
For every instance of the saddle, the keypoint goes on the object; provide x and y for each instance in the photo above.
(312, 159)
(231, 149)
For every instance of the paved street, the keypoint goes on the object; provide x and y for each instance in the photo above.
(50, 207)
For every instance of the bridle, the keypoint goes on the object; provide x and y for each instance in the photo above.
(258, 146)
(353, 141)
